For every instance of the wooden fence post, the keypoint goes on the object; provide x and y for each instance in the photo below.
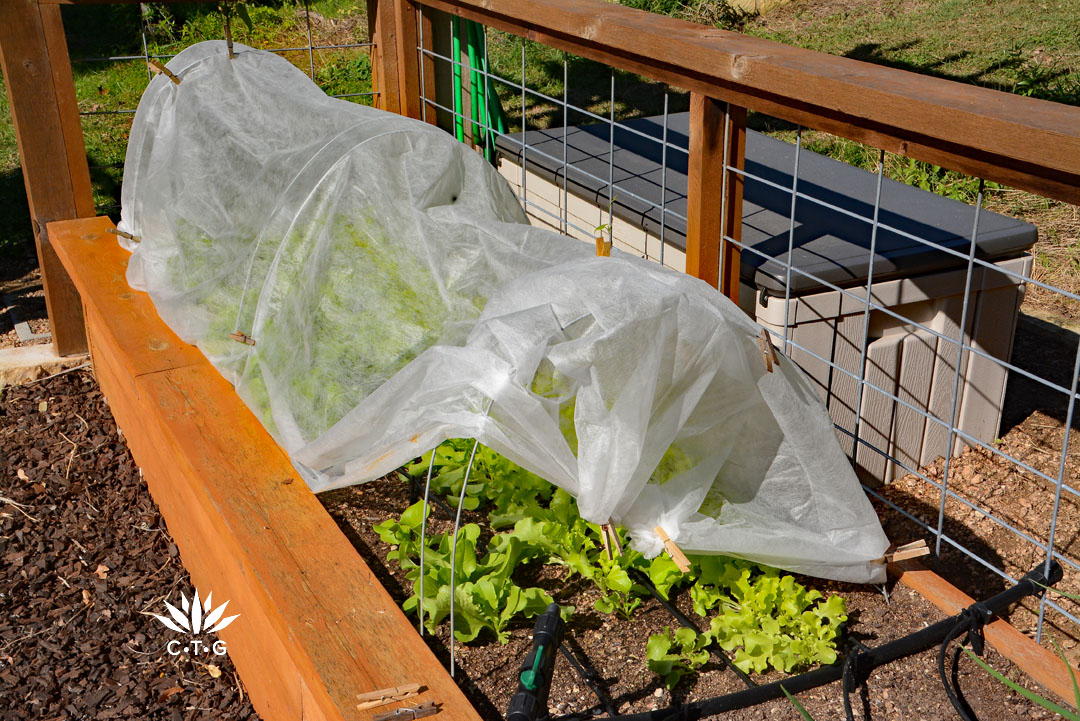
(714, 195)
(731, 223)
(408, 57)
(37, 72)
(398, 66)
(427, 62)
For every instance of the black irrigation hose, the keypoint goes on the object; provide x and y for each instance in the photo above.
(589, 677)
(1031, 584)
(682, 618)
(853, 671)
(971, 620)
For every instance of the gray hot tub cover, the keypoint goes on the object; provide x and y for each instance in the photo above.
(397, 297)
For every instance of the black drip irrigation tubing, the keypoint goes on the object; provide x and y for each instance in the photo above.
(857, 667)
(853, 671)
(683, 619)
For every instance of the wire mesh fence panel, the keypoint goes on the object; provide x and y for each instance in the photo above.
(910, 294)
(111, 46)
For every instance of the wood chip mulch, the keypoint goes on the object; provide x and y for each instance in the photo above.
(84, 557)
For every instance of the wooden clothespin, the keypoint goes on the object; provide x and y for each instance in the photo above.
(383, 696)
(603, 247)
(122, 234)
(615, 538)
(228, 30)
(768, 352)
(420, 710)
(674, 551)
(915, 549)
(610, 538)
(158, 69)
(241, 337)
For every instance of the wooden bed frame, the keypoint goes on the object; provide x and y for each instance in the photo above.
(316, 626)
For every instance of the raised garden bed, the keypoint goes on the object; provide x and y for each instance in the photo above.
(319, 625)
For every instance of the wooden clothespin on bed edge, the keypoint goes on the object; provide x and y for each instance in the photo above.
(915, 549)
(122, 234)
(674, 551)
(372, 699)
(158, 69)
(768, 351)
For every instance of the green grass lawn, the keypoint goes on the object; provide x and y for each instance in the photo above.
(1031, 47)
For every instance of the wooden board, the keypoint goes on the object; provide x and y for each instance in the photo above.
(37, 74)
(704, 188)
(1027, 143)
(408, 57)
(1038, 662)
(316, 626)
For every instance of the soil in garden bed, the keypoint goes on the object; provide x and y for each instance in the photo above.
(615, 648)
(84, 557)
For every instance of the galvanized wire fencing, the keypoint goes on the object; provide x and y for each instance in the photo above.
(913, 357)
(120, 110)
(902, 306)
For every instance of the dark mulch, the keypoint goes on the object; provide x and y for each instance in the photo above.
(85, 555)
(908, 689)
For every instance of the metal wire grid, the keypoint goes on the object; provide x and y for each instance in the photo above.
(864, 296)
(146, 56)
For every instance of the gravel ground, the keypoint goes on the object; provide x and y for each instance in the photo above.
(86, 556)
(22, 299)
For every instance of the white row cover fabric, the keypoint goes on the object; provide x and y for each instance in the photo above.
(398, 297)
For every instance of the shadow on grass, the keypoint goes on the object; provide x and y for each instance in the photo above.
(1046, 83)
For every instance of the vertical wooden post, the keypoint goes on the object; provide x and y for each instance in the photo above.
(408, 57)
(427, 62)
(398, 69)
(731, 252)
(375, 53)
(714, 202)
(37, 71)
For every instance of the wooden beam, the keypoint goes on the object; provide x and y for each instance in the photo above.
(427, 63)
(732, 216)
(33, 54)
(386, 41)
(704, 188)
(1040, 663)
(408, 57)
(316, 626)
(1029, 144)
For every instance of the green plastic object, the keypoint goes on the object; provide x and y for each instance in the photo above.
(488, 116)
(455, 44)
(530, 678)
